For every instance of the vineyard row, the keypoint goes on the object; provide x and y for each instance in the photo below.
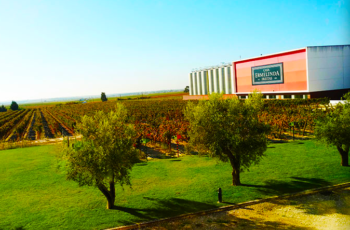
(158, 121)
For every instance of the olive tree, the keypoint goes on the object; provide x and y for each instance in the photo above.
(229, 130)
(334, 129)
(105, 154)
(103, 97)
(3, 109)
(14, 106)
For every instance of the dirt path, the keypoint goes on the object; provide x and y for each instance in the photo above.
(327, 210)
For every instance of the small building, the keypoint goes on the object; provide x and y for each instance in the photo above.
(310, 72)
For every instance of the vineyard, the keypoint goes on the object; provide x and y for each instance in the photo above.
(158, 121)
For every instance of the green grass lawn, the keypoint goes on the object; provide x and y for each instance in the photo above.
(35, 195)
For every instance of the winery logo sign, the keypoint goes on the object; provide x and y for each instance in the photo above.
(267, 74)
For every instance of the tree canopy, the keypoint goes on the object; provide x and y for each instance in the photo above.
(229, 130)
(103, 97)
(14, 105)
(105, 155)
(334, 129)
(187, 89)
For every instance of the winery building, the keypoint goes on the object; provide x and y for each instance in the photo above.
(310, 72)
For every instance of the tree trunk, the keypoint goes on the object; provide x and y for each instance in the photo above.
(110, 195)
(345, 159)
(110, 203)
(235, 178)
(235, 163)
(344, 155)
(112, 191)
(304, 128)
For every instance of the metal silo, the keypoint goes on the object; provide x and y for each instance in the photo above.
(194, 75)
(191, 84)
(204, 82)
(222, 79)
(211, 80)
(199, 81)
(216, 81)
(228, 79)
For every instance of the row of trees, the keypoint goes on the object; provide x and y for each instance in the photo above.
(227, 129)
(13, 106)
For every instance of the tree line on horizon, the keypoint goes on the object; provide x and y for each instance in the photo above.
(13, 106)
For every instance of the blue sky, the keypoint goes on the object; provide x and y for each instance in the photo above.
(72, 48)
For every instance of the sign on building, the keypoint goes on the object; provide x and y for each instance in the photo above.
(267, 74)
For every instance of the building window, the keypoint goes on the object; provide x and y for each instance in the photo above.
(299, 96)
(272, 96)
(287, 97)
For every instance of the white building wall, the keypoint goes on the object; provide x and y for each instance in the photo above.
(328, 67)
(233, 77)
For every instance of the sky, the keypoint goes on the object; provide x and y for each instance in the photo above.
(65, 48)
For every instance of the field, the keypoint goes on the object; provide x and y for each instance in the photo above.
(157, 118)
(35, 195)
(56, 119)
(169, 95)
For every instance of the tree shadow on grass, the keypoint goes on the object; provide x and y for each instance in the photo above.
(298, 184)
(15, 228)
(164, 208)
(154, 153)
(140, 213)
(272, 141)
(253, 186)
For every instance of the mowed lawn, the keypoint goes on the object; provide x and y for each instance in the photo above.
(35, 195)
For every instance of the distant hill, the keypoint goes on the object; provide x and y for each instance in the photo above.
(87, 97)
